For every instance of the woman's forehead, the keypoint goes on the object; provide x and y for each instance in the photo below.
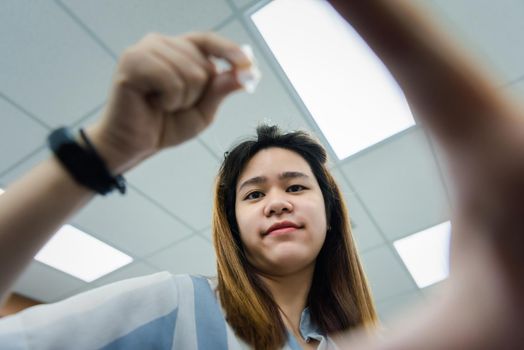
(274, 162)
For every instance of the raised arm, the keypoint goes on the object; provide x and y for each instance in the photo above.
(165, 91)
(479, 128)
(482, 134)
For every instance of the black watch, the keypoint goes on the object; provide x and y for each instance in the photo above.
(84, 164)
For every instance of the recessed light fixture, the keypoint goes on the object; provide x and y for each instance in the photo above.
(81, 255)
(1, 191)
(426, 254)
(349, 92)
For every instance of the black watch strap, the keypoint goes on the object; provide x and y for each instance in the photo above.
(84, 164)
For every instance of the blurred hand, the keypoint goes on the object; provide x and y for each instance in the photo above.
(481, 132)
(165, 91)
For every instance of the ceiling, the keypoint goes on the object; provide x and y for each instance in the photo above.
(56, 65)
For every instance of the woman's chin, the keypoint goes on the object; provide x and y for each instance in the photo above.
(289, 261)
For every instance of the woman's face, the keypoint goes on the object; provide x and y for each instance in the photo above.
(280, 212)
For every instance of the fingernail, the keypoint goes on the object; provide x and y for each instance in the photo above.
(243, 57)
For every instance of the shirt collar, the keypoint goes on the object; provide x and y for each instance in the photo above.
(307, 328)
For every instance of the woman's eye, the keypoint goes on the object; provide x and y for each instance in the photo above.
(296, 188)
(254, 195)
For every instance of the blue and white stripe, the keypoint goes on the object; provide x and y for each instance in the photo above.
(158, 311)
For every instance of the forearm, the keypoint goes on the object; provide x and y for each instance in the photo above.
(455, 99)
(31, 210)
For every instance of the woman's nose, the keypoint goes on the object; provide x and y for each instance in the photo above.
(277, 205)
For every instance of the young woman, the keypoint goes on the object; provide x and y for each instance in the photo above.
(165, 92)
(283, 243)
(288, 271)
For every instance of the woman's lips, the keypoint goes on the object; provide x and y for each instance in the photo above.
(282, 228)
(281, 231)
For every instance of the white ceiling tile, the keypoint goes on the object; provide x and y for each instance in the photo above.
(194, 255)
(385, 273)
(491, 29)
(181, 180)
(19, 135)
(206, 234)
(390, 309)
(130, 223)
(50, 65)
(45, 284)
(364, 230)
(136, 18)
(242, 3)
(436, 290)
(242, 112)
(399, 182)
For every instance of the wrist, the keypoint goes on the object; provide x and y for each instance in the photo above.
(115, 159)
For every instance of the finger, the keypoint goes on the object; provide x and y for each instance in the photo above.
(212, 44)
(195, 78)
(151, 77)
(222, 85)
(191, 52)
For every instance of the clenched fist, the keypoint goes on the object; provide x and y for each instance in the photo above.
(165, 91)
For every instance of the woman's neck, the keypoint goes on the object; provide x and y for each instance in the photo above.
(290, 292)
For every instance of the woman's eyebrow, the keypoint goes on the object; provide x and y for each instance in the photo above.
(283, 176)
(292, 175)
(253, 181)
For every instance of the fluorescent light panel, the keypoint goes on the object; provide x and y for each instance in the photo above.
(81, 255)
(426, 254)
(351, 95)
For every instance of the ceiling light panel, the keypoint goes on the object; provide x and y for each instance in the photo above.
(426, 254)
(351, 95)
(81, 255)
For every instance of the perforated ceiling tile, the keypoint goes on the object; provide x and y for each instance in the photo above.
(14, 123)
(194, 255)
(386, 274)
(391, 309)
(400, 183)
(181, 180)
(50, 65)
(364, 230)
(137, 18)
(242, 112)
(131, 223)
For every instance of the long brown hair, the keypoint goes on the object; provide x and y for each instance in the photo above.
(339, 298)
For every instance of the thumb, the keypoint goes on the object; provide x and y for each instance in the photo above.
(222, 85)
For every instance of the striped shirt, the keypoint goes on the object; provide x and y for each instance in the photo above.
(159, 311)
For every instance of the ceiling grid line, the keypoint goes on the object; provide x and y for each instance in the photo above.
(224, 23)
(169, 246)
(208, 149)
(161, 207)
(389, 246)
(439, 167)
(380, 144)
(279, 74)
(24, 111)
(86, 29)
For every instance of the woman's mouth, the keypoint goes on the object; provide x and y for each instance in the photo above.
(280, 228)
